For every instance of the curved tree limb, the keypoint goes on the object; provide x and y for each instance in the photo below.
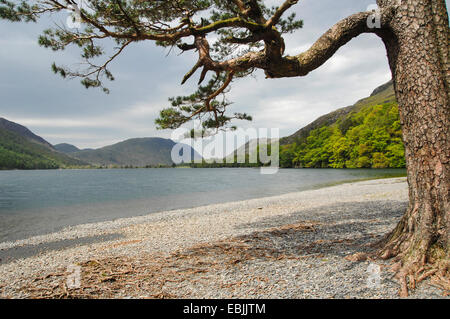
(239, 23)
(327, 45)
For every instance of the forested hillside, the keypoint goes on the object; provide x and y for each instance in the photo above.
(365, 135)
(21, 152)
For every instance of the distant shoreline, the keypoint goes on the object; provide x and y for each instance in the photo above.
(158, 167)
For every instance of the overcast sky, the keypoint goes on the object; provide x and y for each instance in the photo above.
(64, 111)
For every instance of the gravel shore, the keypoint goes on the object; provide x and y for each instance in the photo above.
(288, 246)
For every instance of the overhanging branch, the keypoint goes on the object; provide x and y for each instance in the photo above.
(327, 45)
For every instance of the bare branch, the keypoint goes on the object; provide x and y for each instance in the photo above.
(192, 71)
(281, 10)
(219, 91)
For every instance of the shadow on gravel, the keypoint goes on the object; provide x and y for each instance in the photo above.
(336, 230)
(342, 228)
(383, 210)
(11, 254)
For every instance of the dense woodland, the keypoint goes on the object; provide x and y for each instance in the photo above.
(370, 138)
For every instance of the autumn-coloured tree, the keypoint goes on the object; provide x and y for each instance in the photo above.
(235, 37)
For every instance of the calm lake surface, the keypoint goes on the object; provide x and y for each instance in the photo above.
(39, 202)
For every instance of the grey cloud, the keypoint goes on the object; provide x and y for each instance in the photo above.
(146, 77)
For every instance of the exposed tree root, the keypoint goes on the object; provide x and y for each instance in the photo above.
(157, 276)
(416, 259)
(410, 276)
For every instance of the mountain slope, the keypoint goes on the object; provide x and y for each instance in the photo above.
(66, 148)
(134, 152)
(290, 146)
(364, 135)
(250, 147)
(383, 94)
(22, 149)
(23, 131)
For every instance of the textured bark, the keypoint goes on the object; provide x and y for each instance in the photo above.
(324, 48)
(417, 46)
(416, 34)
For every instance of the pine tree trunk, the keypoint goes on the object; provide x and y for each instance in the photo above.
(417, 45)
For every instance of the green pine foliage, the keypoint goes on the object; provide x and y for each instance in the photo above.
(369, 138)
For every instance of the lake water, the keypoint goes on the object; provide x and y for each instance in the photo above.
(40, 202)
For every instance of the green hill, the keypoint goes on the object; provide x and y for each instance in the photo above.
(364, 135)
(137, 152)
(66, 148)
(22, 149)
(23, 131)
(383, 94)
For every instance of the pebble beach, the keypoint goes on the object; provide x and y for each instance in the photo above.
(288, 246)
